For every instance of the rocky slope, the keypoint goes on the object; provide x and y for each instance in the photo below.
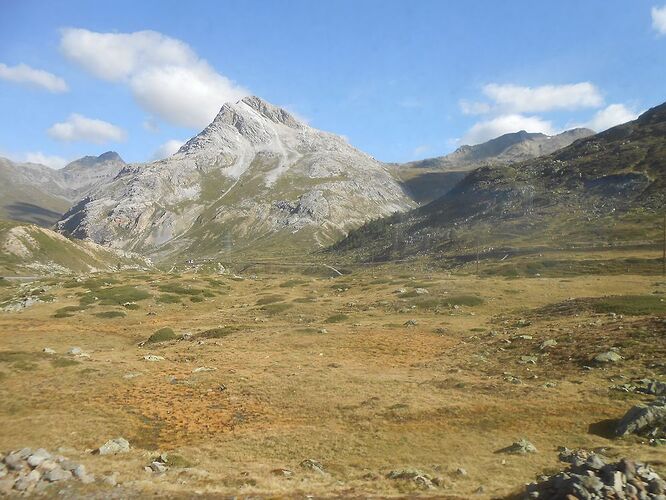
(609, 188)
(35, 193)
(26, 249)
(254, 178)
(431, 178)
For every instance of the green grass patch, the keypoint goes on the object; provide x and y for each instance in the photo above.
(66, 312)
(196, 298)
(166, 298)
(179, 289)
(5, 282)
(64, 362)
(162, 335)
(276, 308)
(220, 332)
(270, 299)
(131, 306)
(337, 318)
(114, 296)
(305, 300)
(110, 314)
(631, 305)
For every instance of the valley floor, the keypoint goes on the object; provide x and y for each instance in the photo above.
(384, 369)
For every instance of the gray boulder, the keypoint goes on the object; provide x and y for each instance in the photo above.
(644, 419)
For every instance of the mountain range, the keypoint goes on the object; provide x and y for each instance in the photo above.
(606, 189)
(255, 179)
(35, 193)
(427, 180)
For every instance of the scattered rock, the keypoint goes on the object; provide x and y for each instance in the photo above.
(48, 350)
(323, 330)
(204, 369)
(282, 472)
(31, 472)
(75, 351)
(547, 344)
(158, 467)
(114, 446)
(607, 357)
(421, 291)
(313, 465)
(589, 476)
(461, 472)
(521, 447)
(410, 322)
(418, 478)
(153, 357)
(648, 420)
(528, 360)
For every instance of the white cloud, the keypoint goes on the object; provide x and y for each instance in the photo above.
(659, 19)
(48, 160)
(615, 114)
(504, 124)
(22, 73)
(80, 128)
(167, 149)
(519, 99)
(166, 77)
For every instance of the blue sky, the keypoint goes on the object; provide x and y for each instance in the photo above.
(400, 79)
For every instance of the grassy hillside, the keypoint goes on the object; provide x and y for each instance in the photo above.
(26, 249)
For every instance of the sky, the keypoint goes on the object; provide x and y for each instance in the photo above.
(401, 80)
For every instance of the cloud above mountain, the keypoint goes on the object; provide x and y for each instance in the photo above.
(489, 129)
(165, 76)
(81, 128)
(24, 74)
(659, 19)
(510, 108)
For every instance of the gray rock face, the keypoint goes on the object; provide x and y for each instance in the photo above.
(114, 446)
(255, 171)
(645, 419)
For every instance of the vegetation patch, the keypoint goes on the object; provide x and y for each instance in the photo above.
(196, 298)
(110, 314)
(162, 335)
(270, 299)
(64, 362)
(276, 308)
(66, 312)
(220, 332)
(337, 318)
(114, 296)
(179, 289)
(131, 306)
(166, 298)
(91, 283)
(631, 305)
(292, 283)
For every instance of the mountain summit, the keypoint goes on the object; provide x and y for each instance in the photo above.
(256, 175)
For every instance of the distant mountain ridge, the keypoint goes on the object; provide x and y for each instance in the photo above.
(255, 178)
(604, 189)
(35, 193)
(507, 148)
(427, 180)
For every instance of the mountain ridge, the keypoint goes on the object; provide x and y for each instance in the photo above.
(254, 176)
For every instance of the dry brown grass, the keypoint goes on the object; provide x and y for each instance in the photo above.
(369, 396)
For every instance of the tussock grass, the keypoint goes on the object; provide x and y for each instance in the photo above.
(162, 335)
(110, 314)
(337, 318)
(166, 298)
(270, 299)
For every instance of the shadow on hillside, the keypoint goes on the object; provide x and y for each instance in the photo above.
(28, 212)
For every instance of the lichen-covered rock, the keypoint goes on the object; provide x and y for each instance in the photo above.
(647, 420)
